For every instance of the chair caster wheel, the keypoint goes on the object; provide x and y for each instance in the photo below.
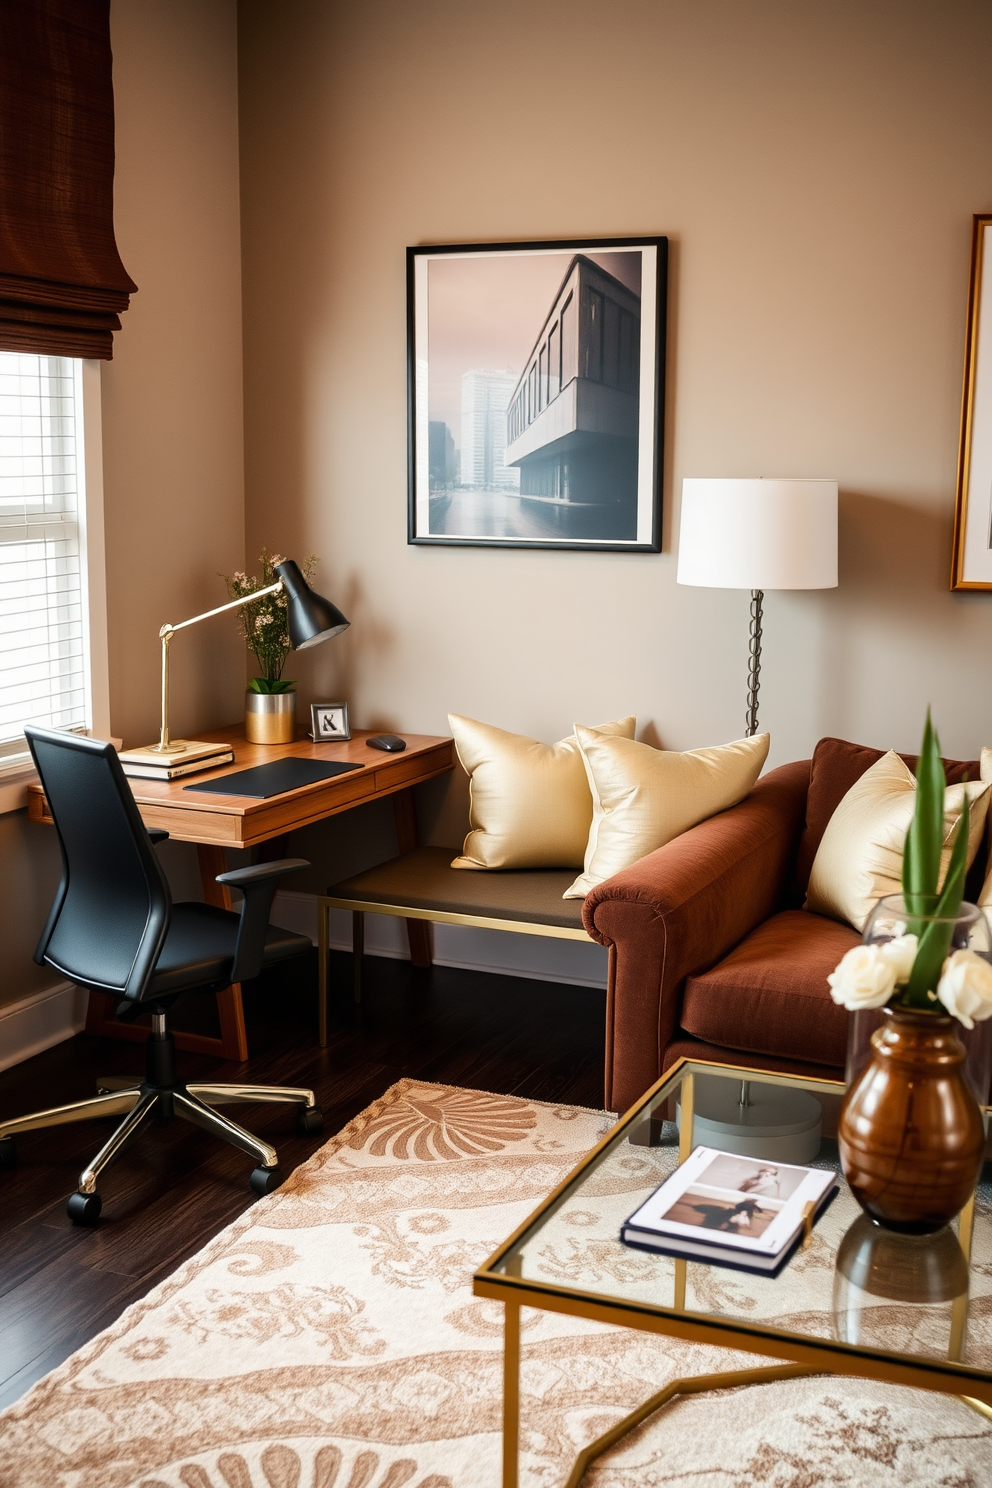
(265, 1180)
(309, 1119)
(8, 1153)
(84, 1209)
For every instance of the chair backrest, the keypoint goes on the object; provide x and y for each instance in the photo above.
(111, 913)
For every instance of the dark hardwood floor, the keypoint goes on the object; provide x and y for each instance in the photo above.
(166, 1196)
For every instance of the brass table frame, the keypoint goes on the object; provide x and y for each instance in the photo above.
(807, 1355)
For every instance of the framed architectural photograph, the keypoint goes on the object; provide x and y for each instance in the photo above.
(536, 393)
(329, 722)
(972, 560)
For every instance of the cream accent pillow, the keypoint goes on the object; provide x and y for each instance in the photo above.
(859, 858)
(985, 897)
(530, 802)
(643, 797)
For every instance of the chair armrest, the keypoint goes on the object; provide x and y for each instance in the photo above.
(679, 911)
(258, 885)
(261, 873)
(157, 835)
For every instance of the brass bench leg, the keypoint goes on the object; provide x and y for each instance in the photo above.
(357, 950)
(323, 956)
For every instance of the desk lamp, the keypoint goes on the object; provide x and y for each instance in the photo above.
(311, 619)
(758, 535)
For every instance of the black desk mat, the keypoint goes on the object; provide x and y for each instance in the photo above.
(273, 779)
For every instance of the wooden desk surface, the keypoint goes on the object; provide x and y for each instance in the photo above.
(242, 821)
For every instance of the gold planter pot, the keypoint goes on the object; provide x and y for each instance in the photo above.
(270, 717)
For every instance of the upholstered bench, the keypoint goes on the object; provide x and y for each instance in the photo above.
(422, 885)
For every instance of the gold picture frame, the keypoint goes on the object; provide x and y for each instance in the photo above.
(971, 562)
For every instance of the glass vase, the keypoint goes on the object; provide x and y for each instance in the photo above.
(970, 932)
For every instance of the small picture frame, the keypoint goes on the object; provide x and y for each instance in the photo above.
(329, 723)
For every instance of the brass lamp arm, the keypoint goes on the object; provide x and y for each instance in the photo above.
(164, 745)
(233, 605)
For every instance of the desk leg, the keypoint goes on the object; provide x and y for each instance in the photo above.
(418, 931)
(233, 1038)
(511, 1393)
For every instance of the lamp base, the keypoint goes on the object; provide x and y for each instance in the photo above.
(775, 1125)
(179, 750)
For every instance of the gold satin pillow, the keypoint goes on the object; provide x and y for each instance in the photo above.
(530, 803)
(859, 858)
(643, 797)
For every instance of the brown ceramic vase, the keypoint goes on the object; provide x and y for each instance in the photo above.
(911, 1137)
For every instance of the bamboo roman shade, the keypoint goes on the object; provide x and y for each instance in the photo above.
(62, 283)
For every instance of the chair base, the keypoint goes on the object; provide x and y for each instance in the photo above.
(163, 1097)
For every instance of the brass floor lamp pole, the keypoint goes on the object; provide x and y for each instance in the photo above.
(754, 662)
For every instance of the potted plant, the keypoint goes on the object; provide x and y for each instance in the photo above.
(911, 1134)
(270, 701)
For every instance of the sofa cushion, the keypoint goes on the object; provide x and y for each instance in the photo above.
(836, 765)
(860, 856)
(643, 797)
(530, 804)
(770, 995)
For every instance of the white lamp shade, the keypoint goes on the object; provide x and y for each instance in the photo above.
(758, 534)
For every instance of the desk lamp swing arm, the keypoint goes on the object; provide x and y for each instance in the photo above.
(164, 744)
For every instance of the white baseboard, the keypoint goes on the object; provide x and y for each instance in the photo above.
(539, 957)
(39, 1021)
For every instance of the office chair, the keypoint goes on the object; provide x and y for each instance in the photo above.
(113, 928)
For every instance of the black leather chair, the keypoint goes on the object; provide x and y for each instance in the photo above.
(113, 928)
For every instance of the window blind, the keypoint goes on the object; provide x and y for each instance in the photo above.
(62, 283)
(42, 655)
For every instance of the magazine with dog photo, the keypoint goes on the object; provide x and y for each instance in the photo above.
(736, 1211)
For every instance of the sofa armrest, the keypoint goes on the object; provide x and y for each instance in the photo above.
(679, 911)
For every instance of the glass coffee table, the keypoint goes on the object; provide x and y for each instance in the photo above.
(853, 1300)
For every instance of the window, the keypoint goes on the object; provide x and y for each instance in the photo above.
(569, 356)
(611, 338)
(554, 363)
(542, 375)
(44, 652)
(593, 360)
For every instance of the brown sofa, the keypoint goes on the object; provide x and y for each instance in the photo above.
(712, 954)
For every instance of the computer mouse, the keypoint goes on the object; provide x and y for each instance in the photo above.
(391, 743)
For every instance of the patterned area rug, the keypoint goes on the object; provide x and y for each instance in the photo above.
(329, 1339)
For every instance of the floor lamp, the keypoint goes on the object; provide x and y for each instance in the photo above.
(758, 535)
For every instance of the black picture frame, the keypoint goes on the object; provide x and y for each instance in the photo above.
(561, 447)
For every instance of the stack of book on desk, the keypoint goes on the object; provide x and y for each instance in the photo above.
(731, 1210)
(148, 764)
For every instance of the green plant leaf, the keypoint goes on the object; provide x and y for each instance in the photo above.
(269, 685)
(935, 941)
(921, 855)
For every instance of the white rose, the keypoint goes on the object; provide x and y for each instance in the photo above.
(965, 988)
(865, 978)
(900, 954)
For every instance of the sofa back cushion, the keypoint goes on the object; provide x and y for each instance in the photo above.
(835, 767)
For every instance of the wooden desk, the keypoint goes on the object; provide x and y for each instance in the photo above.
(216, 822)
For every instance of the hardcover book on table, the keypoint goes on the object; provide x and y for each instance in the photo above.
(730, 1210)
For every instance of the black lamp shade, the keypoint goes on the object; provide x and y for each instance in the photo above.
(311, 618)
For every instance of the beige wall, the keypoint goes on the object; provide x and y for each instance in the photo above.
(815, 166)
(172, 396)
(172, 413)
